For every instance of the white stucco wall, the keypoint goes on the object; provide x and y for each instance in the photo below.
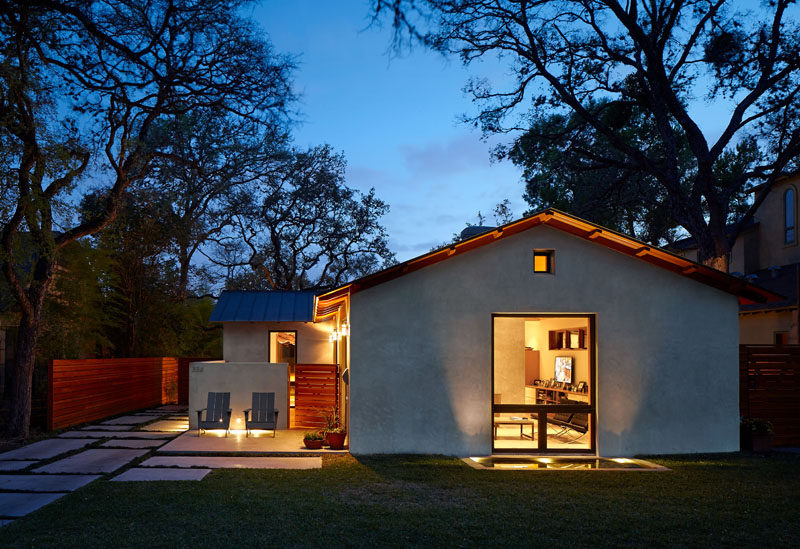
(249, 341)
(667, 379)
(241, 380)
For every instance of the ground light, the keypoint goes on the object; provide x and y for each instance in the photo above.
(561, 463)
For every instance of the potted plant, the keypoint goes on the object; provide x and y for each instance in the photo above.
(336, 438)
(331, 418)
(756, 435)
(313, 441)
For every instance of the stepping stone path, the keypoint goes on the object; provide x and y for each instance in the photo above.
(45, 483)
(131, 420)
(215, 462)
(115, 434)
(175, 426)
(150, 473)
(118, 443)
(15, 465)
(22, 493)
(46, 449)
(20, 504)
(101, 460)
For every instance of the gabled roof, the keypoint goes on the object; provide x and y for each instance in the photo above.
(272, 306)
(747, 293)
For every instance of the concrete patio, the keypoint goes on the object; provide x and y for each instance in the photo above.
(285, 442)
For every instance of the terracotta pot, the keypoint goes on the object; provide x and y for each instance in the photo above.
(313, 444)
(761, 443)
(336, 440)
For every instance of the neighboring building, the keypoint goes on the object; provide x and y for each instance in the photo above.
(766, 253)
(549, 335)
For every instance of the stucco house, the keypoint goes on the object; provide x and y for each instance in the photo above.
(767, 253)
(547, 335)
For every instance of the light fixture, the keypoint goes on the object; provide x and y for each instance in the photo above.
(334, 336)
(345, 329)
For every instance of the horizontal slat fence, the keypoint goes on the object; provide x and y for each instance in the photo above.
(316, 389)
(769, 388)
(90, 389)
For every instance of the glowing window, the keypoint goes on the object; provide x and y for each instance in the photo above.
(543, 261)
(789, 215)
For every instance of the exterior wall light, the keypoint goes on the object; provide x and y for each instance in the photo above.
(344, 329)
(334, 336)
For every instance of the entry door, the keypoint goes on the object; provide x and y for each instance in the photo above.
(543, 383)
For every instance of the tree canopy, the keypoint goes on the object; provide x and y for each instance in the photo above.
(83, 86)
(580, 58)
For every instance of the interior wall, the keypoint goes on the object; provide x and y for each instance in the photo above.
(509, 360)
(547, 358)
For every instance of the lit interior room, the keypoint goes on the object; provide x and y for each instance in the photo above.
(542, 383)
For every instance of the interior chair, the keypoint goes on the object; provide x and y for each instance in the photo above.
(265, 416)
(218, 413)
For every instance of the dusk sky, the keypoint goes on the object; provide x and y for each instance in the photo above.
(396, 120)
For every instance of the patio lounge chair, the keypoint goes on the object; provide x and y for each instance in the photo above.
(218, 413)
(265, 416)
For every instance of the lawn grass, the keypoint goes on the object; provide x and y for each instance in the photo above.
(721, 500)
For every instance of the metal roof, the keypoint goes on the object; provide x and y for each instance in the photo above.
(274, 306)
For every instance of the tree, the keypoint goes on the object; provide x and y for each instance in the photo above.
(655, 57)
(205, 180)
(309, 228)
(565, 164)
(83, 86)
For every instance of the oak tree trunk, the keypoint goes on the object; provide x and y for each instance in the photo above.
(22, 380)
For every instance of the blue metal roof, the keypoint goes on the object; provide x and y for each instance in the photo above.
(275, 306)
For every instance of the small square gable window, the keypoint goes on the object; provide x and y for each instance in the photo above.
(543, 261)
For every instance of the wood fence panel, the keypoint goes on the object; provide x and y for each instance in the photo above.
(85, 390)
(769, 388)
(316, 389)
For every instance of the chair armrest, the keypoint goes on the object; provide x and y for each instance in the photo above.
(200, 414)
(246, 409)
(247, 415)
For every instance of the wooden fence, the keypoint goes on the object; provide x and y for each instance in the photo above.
(316, 389)
(86, 390)
(769, 388)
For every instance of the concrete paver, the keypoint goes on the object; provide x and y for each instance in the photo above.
(115, 434)
(46, 449)
(101, 460)
(175, 426)
(216, 462)
(19, 505)
(131, 420)
(153, 473)
(121, 443)
(107, 428)
(15, 465)
(45, 483)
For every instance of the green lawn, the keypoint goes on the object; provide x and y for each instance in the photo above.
(725, 500)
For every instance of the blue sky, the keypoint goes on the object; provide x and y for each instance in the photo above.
(396, 120)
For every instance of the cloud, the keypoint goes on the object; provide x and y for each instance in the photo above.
(460, 154)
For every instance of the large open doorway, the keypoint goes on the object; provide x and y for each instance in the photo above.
(543, 383)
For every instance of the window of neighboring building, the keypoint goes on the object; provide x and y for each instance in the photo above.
(789, 216)
(543, 261)
(781, 338)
